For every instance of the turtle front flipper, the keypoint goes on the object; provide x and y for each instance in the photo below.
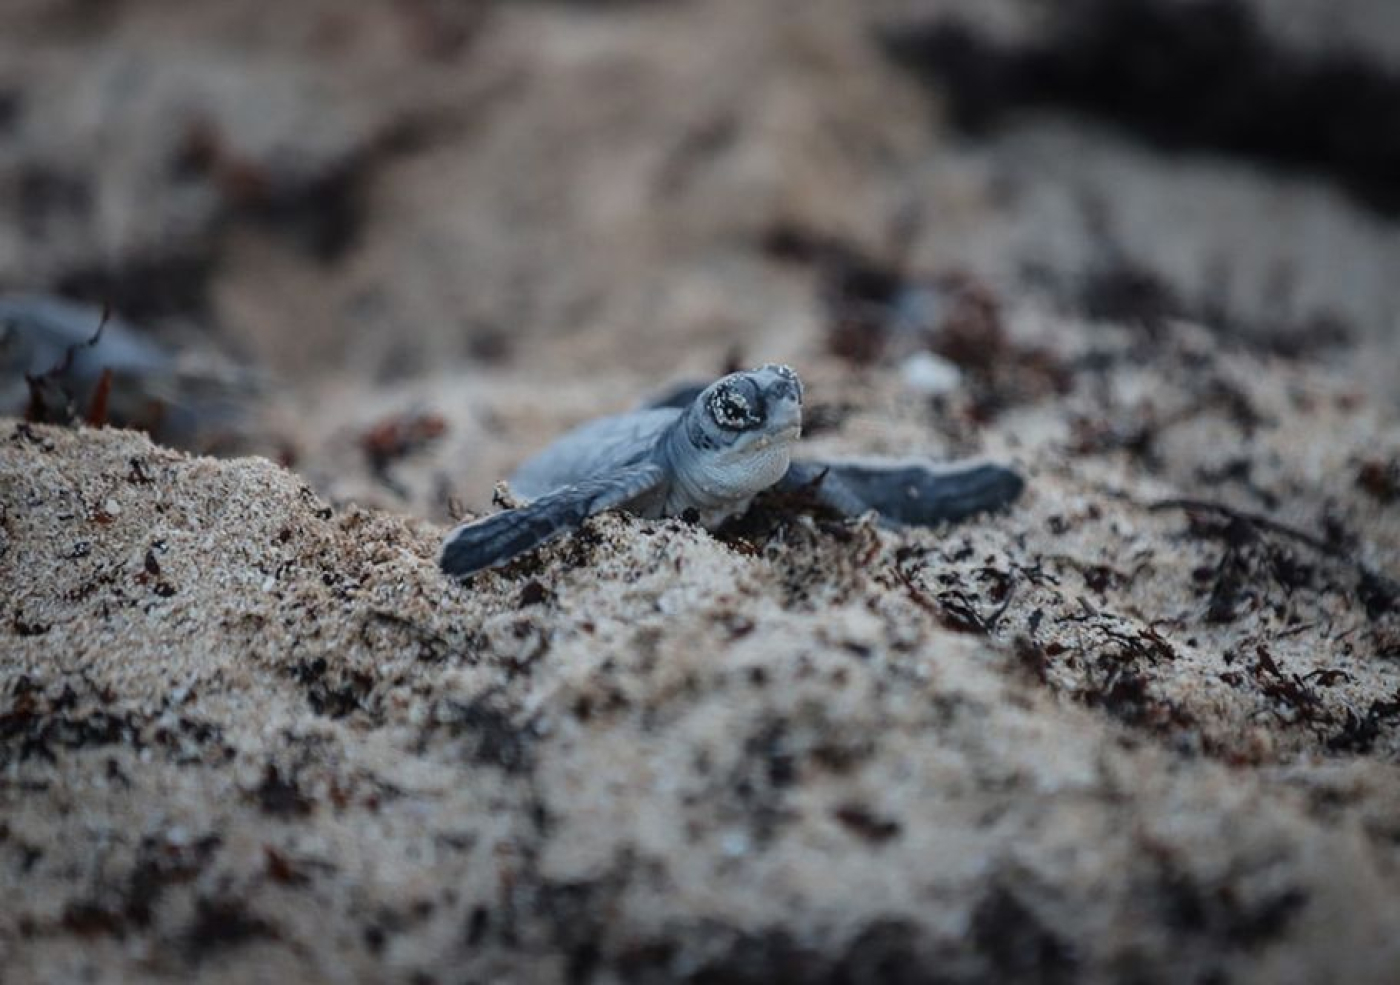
(496, 539)
(907, 493)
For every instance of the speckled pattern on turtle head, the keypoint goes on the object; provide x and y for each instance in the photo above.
(710, 453)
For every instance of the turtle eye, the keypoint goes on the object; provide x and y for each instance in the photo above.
(730, 409)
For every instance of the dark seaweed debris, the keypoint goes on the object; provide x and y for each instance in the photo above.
(1118, 288)
(280, 796)
(396, 437)
(321, 213)
(490, 734)
(1360, 732)
(1380, 479)
(128, 904)
(146, 289)
(1379, 593)
(222, 923)
(1220, 913)
(39, 721)
(1017, 944)
(1201, 74)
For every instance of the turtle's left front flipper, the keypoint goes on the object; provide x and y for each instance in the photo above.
(907, 493)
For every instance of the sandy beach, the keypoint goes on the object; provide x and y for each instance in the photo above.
(1144, 725)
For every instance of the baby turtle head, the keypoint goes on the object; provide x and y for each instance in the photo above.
(740, 433)
(752, 409)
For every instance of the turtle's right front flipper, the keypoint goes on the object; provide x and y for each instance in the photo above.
(496, 539)
(907, 493)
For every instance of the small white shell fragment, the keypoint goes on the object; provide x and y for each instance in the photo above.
(926, 373)
(734, 843)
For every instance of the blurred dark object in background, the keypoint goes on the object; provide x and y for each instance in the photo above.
(62, 363)
(1200, 74)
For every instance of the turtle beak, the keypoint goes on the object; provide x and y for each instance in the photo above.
(785, 415)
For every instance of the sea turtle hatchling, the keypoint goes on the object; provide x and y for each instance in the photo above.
(710, 450)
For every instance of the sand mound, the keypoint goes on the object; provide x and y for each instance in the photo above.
(250, 734)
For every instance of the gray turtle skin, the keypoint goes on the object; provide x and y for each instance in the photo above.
(711, 450)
